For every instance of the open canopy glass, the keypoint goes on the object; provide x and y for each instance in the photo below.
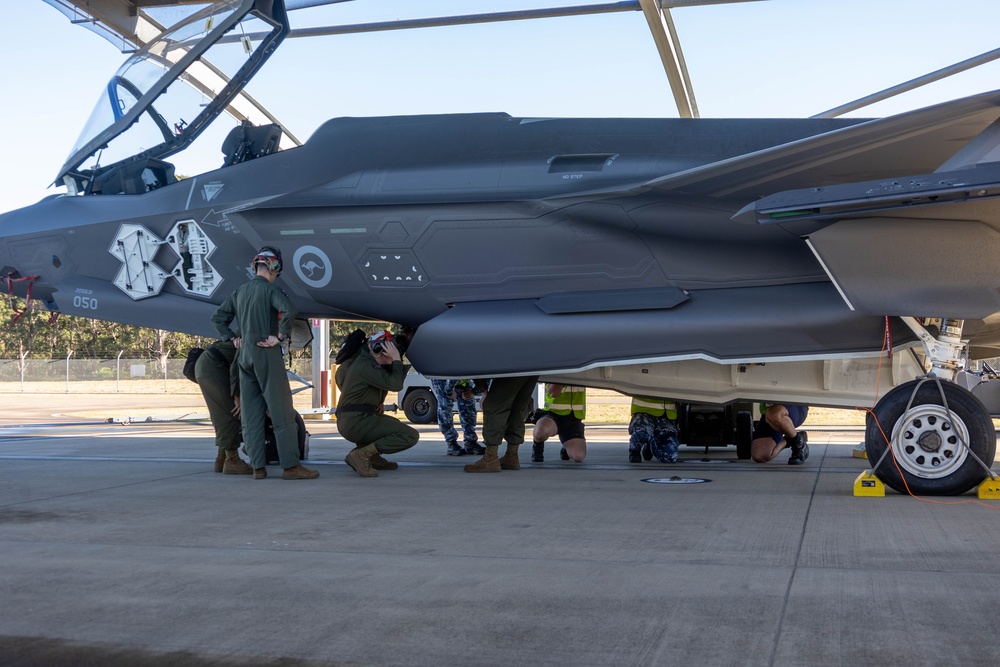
(168, 92)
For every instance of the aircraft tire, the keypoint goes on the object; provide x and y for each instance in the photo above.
(744, 434)
(927, 457)
(420, 406)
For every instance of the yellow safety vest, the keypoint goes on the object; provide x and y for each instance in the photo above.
(657, 407)
(572, 399)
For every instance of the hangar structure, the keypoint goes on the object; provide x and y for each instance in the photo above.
(130, 24)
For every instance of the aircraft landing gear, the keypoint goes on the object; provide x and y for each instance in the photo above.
(941, 437)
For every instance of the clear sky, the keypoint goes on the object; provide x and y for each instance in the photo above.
(776, 58)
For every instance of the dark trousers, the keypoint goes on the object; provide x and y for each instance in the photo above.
(505, 408)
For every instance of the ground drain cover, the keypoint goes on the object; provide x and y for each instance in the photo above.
(676, 480)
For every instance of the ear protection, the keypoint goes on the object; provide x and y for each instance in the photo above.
(269, 257)
(376, 343)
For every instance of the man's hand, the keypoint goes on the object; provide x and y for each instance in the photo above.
(236, 407)
(236, 342)
(270, 341)
(390, 350)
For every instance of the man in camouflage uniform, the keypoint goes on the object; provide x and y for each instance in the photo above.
(447, 393)
(263, 382)
(653, 430)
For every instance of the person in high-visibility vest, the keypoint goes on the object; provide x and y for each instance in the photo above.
(563, 414)
(778, 430)
(653, 430)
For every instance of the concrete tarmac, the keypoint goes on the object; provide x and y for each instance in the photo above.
(120, 546)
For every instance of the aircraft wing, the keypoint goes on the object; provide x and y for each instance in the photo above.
(915, 142)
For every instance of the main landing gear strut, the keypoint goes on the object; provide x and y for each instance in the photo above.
(930, 436)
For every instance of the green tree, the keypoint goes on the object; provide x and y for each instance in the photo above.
(42, 335)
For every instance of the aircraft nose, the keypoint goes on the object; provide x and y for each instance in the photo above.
(6, 261)
(15, 278)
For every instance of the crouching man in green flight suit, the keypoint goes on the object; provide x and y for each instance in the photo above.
(374, 372)
(263, 382)
(219, 380)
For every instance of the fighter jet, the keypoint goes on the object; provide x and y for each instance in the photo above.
(826, 261)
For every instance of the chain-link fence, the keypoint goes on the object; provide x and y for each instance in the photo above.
(118, 375)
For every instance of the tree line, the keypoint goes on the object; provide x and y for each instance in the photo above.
(45, 335)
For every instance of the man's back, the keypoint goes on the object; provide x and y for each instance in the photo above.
(367, 383)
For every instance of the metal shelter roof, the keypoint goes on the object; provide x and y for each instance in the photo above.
(129, 25)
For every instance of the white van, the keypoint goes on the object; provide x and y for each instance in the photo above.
(420, 407)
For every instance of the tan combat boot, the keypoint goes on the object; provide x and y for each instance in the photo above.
(359, 459)
(489, 462)
(234, 465)
(260, 473)
(220, 460)
(509, 460)
(380, 463)
(299, 472)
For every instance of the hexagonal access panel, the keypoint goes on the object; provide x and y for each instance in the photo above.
(140, 276)
(383, 268)
(394, 233)
(193, 272)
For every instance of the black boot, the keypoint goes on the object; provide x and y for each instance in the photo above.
(537, 452)
(563, 455)
(473, 447)
(454, 449)
(800, 449)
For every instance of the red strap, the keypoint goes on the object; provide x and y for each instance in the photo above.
(27, 300)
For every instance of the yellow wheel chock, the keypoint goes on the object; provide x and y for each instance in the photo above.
(867, 484)
(989, 489)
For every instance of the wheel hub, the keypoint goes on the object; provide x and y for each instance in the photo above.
(928, 442)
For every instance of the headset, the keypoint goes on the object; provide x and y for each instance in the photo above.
(270, 257)
(377, 341)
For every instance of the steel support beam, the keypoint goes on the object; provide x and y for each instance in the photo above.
(668, 45)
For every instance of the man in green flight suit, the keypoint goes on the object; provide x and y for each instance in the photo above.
(218, 379)
(263, 383)
(376, 370)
